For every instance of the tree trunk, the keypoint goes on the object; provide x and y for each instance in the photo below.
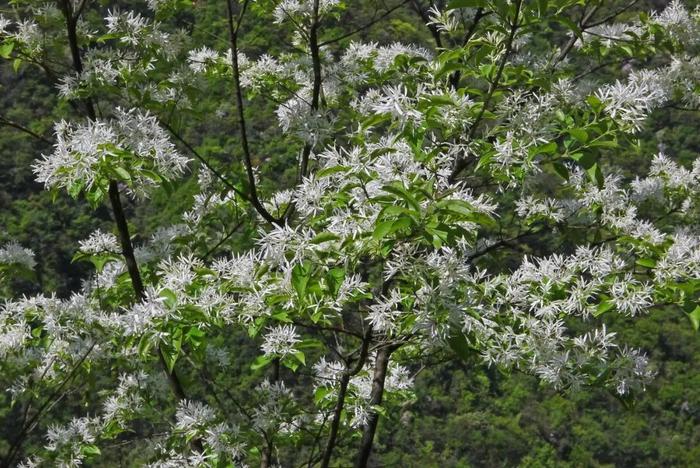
(380, 368)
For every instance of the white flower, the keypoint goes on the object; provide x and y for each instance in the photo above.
(82, 151)
(328, 373)
(396, 102)
(178, 274)
(631, 371)
(289, 8)
(131, 26)
(385, 312)
(630, 296)
(198, 59)
(13, 253)
(27, 33)
(100, 242)
(444, 21)
(630, 103)
(529, 207)
(387, 55)
(4, 23)
(193, 416)
(280, 340)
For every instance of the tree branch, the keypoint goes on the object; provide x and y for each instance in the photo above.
(381, 364)
(342, 391)
(462, 162)
(247, 160)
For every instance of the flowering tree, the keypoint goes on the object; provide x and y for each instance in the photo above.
(467, 200)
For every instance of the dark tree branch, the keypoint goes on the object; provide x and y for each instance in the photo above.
(381, 365)
(434, 31)
(342, 391)
(203, 160)
(461, 163)
(572, 41)
(478, 16)
(22, 128)
(371, 23)
(115, 200)
(316, 90)
(48, 403)
(247, 159)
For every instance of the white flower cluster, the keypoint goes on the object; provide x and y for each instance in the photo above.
(630, 103)
(141, 316)
(14, 332)
(679, 23)
(79, 432)
(287, 9)
(86, 153)
(126, 401)
(520, 316)
(130, 25)
(617, 211)
(25, 32)
(275, 407)
(675, 20)
(100, 242)
(530, 207)
(279, 341)
(327, 374)
(385, 312)
(682, 259)
(13, 253)
(445, 21)
(199, 59)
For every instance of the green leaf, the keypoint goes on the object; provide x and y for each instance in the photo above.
(579, 134)
(458, 207)
(324, 237)
(694, 317)
(403, 193)
(602, 308)
(6, 49)
(549, 148)
(401, 223)
(123, 173)
(170, 355)
(145, 344)
(75, 189)
(594, 102)
(321, 393)
(596, 175)
(647, 262)
(195, 336)
(300, 357)
(90, 450)
(292, 364)
(585, 160)
(170, 298)
(458, 343)
(604, 143)
(335, 278)
(300, 279)
(260, 362)
(382, 229)
(330, 170)
(561, 170)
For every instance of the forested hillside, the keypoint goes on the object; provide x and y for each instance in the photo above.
(271, 130)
